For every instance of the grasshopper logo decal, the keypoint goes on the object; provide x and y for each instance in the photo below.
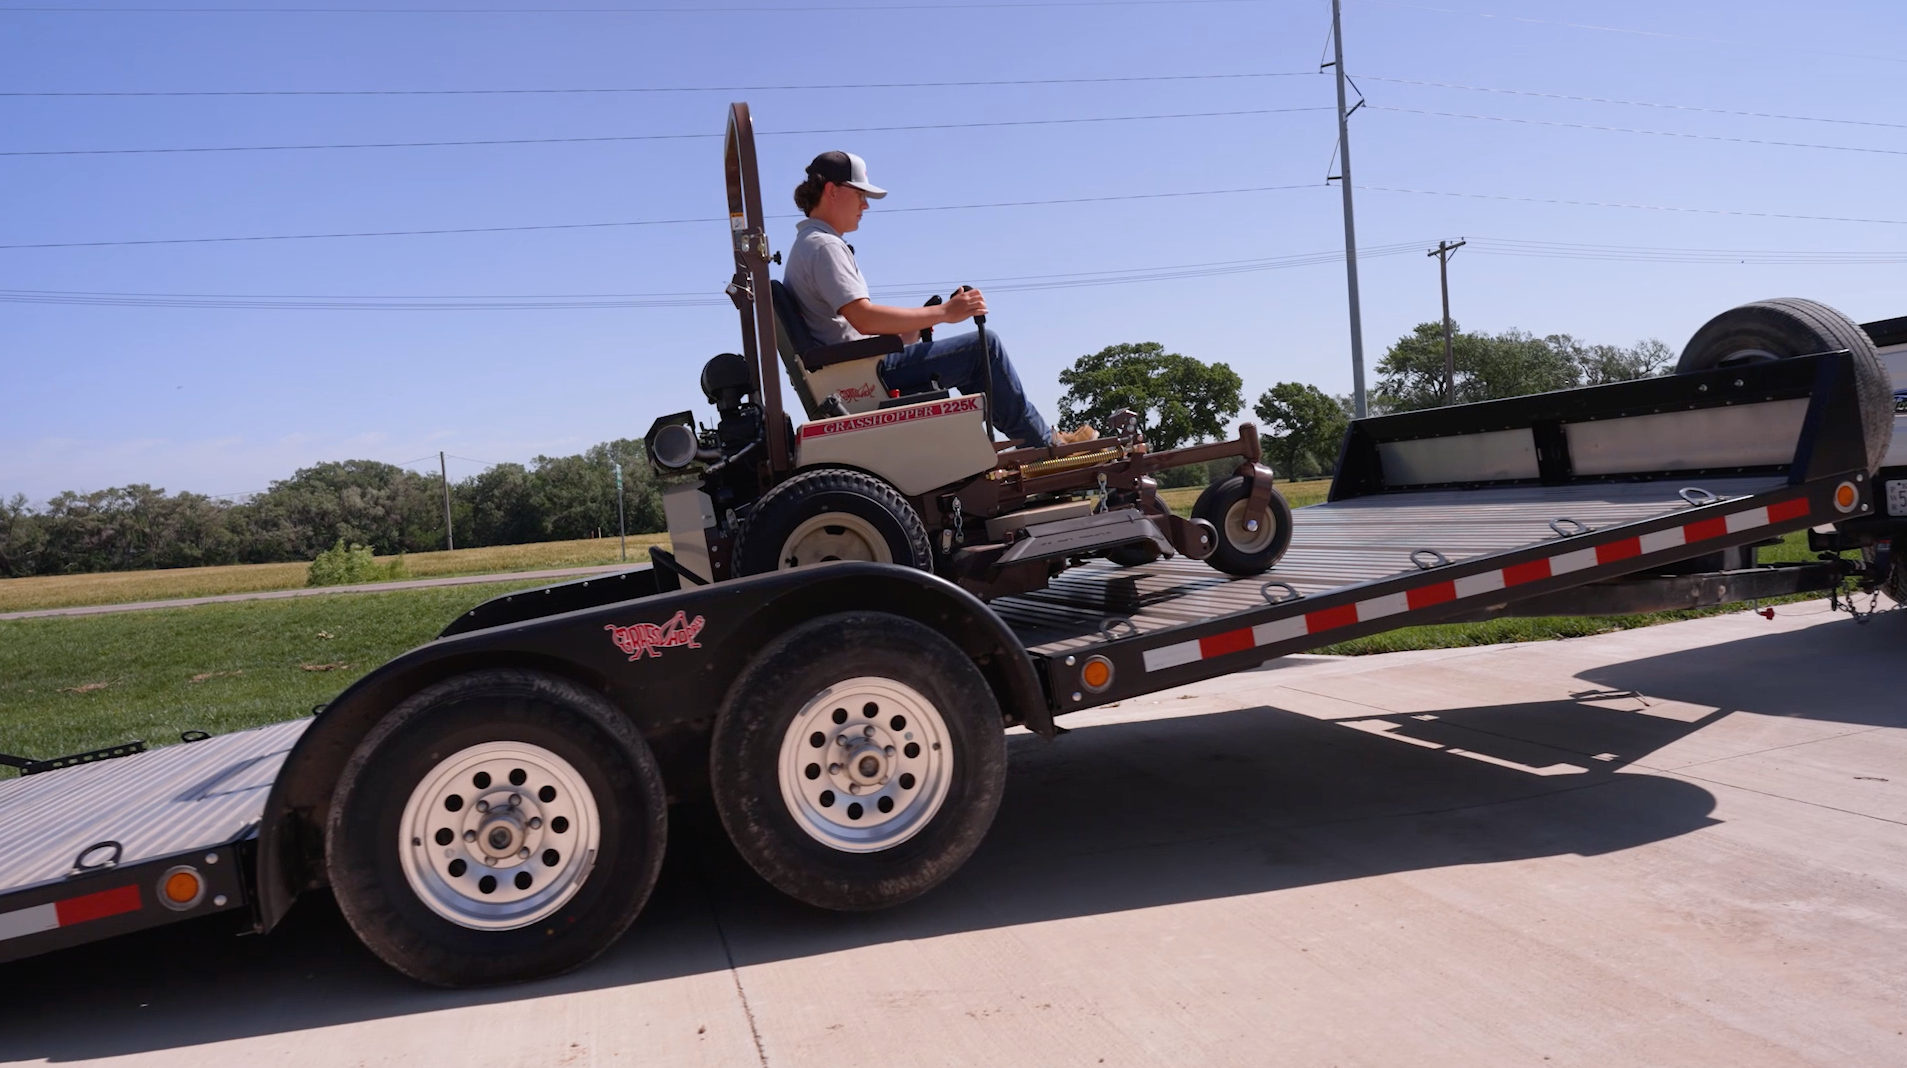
(640, 639)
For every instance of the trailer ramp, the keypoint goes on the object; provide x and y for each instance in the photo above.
(88, 851)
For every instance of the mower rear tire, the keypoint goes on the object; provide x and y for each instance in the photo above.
(1241, 550)
(832, 513)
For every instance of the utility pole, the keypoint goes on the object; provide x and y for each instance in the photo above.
(1359, 409)
(1443, 252)
(622, 531)
(443, 471)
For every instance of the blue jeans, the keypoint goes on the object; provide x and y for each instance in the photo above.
(955, 361)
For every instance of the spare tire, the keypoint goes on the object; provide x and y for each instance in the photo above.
(1786, 327)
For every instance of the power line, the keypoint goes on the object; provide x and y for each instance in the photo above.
(936, 8)
(1632, 130)
(658, 137)
(568, 302)
(671, 88)
(1636, 103)
(1636, 207)
(641, 222)
(1784, 46)
(1653, 254)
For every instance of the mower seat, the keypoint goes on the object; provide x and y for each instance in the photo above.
(850, 370)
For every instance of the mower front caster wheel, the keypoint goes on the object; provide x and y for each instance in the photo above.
(1244, 547)
(858, 761)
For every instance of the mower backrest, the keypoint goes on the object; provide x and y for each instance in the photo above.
(858, 382)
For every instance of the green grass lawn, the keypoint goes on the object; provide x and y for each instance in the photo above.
(72, 684)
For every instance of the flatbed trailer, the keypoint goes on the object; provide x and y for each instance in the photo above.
(603, 699)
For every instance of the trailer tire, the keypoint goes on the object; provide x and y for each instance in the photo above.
(1240, 551)
(920, 763)
(832, 513)
(520, 755)
(1786, 327)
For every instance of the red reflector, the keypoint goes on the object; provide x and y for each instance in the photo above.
(97, 906)
(1797, 508)
(1517, 574)
(1433, 594)
(893, 393)
(1704, 529)
(1618, 550)
(1328, 618)
(1232, 641)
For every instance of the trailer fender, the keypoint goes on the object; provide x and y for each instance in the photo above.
(924, 598)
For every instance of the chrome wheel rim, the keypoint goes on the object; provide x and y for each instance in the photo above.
(499, 836)
(1243, 538)
(865, 764)
(835, 536)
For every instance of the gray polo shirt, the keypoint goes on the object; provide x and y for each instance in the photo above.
(821, 273)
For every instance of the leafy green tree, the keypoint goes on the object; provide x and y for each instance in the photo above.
(22, 538)
(1302, 427)
(1178, 399)
(364, 502)
(1511, 364)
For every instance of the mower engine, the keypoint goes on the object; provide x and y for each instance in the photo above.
(729, 456)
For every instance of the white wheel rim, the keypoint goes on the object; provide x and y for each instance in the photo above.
(882, 767)
(1242, 537)
(510, 816)
(834, 536)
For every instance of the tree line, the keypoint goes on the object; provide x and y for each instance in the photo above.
(394, 510)
(387, 508)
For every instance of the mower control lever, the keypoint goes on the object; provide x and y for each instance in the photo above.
(986, 361)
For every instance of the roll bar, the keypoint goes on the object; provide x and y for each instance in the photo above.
(748, 233)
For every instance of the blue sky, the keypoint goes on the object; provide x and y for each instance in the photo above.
(225, 399)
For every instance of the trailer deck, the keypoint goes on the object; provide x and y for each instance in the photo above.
(1340, 544)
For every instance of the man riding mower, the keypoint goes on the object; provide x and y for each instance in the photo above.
(895, 468)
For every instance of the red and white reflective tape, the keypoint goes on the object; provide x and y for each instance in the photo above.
(1435, 593)
(57, 914)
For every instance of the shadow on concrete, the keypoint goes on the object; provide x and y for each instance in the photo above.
(1108, 818)
(1119, 816)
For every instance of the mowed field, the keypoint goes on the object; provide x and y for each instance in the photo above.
(125, 587)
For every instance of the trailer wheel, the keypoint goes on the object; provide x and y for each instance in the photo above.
(832, 514)
(858, 761)
(497, 826)
(1242, 550)
(1786, 327)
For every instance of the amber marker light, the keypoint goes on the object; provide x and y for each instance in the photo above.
(181, 888)
(1846, 496)
(1097, 674)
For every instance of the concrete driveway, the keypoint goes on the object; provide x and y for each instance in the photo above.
(1679, 846)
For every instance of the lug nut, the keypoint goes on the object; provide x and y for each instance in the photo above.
(834, 769)
(470, 836)
(854, 787)
(483, 806)
(515, 800)
(867, 731)
(523, 854)
(889, 750)
(535, 822)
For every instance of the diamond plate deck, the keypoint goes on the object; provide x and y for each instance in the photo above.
(1337, 545)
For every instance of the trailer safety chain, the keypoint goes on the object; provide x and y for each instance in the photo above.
(1861, 617)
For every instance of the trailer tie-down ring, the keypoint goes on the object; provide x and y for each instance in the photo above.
(1697, 496)
(1428, 559)
(1109, 625)
(1560, 521)
(81, 867)
(1291, 592)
